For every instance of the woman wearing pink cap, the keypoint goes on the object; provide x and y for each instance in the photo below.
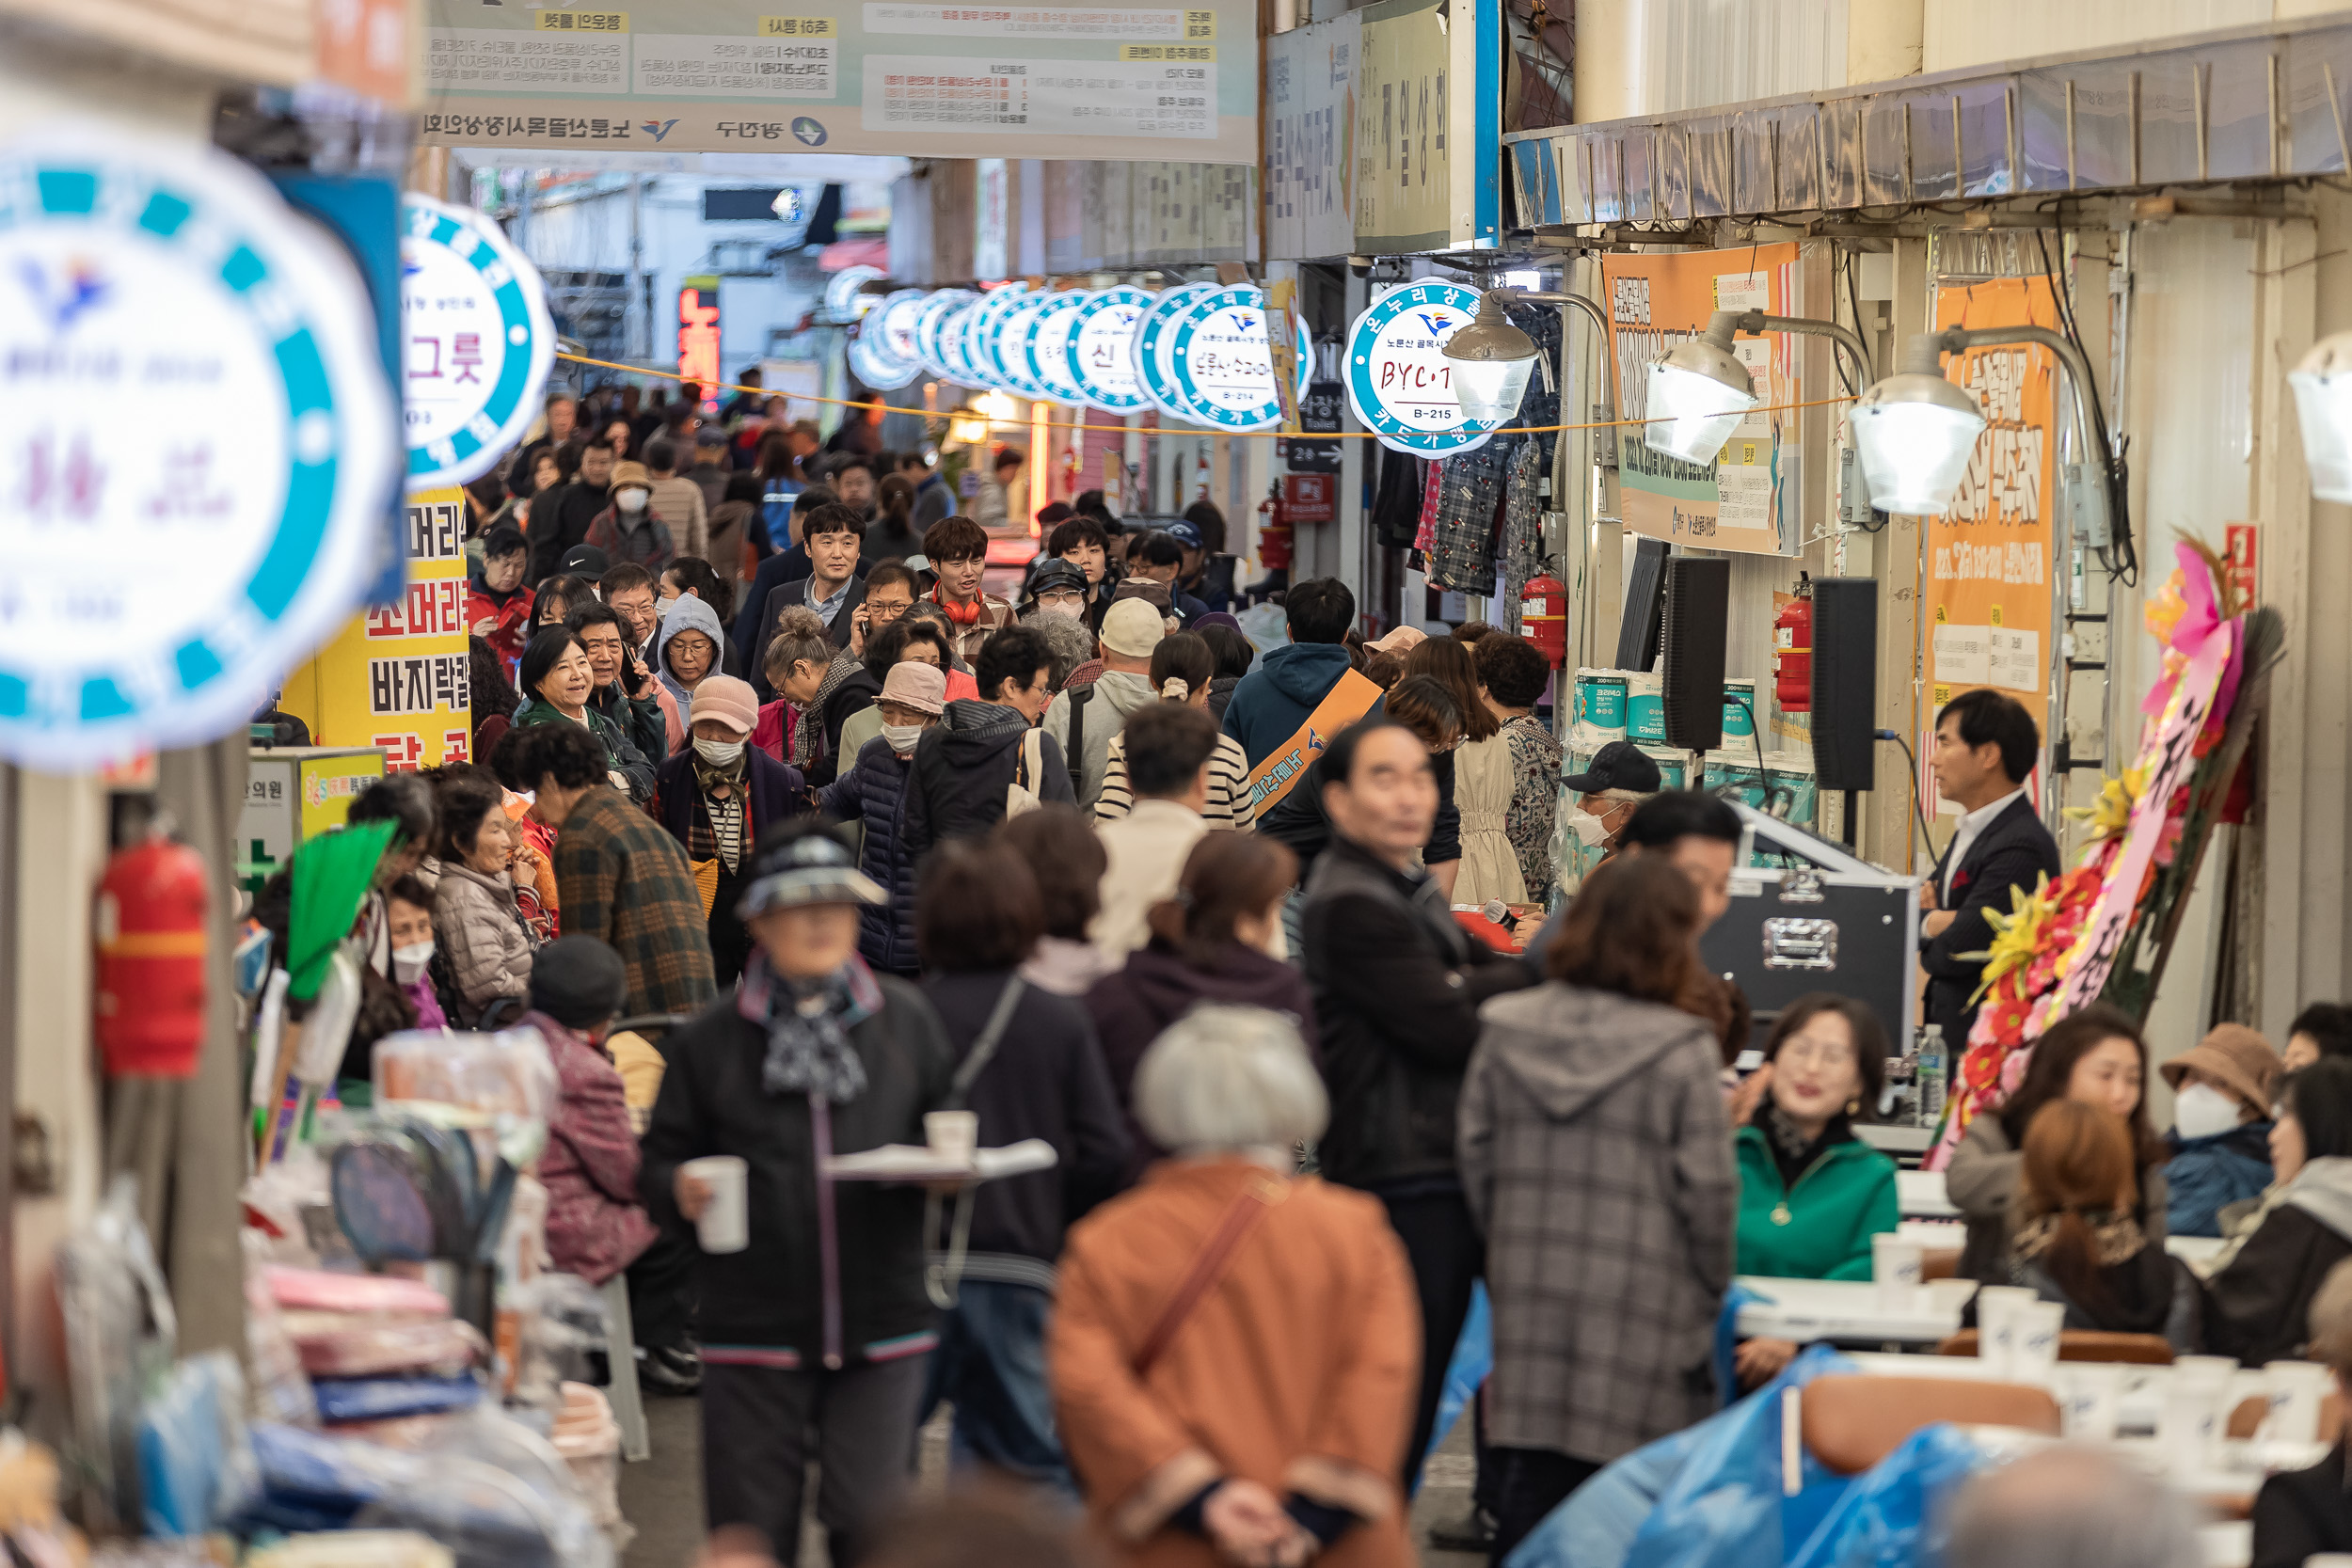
(872, 788)
(716, 796)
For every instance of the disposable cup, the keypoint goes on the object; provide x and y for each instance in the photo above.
(953, 1134)
(2296, 1390)
(2089, 1393)
(2033, 1353)
(726, 1225)
(1895, 1265)
(1947, 1297)
(1996, 1325)
(2189, 1422)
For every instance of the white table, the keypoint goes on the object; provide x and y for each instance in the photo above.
(1920, 1196)
(1840, 1310)
(2138, 1402)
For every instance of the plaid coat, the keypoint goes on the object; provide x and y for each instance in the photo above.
(1597, 1160)
(623, 879)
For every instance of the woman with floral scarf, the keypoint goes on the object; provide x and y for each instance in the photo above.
(2079, 1238)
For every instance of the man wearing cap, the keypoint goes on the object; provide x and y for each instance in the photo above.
(630, 528)
(871, 788)
(560, 519)
(498, 604)
(2224, 1088)
(595, 1227)
(709, 471)
(618, 877)
(815, 1334)
(716, 796)
(1083, 719)
(1159, 557)
(1057, 588)
(1620, 777)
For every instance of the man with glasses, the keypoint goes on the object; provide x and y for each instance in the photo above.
(630, 589)
(626, 691)
(889, 593)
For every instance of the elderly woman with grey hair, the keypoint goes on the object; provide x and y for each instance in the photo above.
(1234, 1348)
(2074, 1506)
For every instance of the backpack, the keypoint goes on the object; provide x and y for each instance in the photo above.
(1021, 795)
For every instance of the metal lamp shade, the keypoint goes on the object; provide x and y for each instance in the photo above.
(1693, 403)
(1491, 361)
(1916, 433)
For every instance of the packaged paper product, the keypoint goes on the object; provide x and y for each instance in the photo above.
(1646, 709)
(1600, 702)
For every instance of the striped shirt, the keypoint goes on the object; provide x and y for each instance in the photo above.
(1228, 786)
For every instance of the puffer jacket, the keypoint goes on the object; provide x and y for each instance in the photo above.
(873, 790)
(2207, 1174)
(478, 925)
(595, 1227)
(961, 766)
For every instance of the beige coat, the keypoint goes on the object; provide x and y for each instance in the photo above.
(679, 503)
(478, 926)
(1147, 848)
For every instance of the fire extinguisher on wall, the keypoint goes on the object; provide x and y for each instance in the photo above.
(1544, 617)
(1274, 532)
(153, 943)
(1792, 650)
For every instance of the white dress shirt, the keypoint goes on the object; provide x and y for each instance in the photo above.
(1971, 824)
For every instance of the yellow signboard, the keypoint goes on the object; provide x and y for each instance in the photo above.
(399, 677)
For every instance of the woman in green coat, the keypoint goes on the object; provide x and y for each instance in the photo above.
(559, 687)
(1811, 1194)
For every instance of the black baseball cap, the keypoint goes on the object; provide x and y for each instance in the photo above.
(585, 560)
(1619, 764)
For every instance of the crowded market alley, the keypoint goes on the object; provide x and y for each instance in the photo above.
(910, 785)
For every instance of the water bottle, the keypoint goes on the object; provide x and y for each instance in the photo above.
(1931, 1074)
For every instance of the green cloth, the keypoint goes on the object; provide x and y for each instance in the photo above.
(1846, 1196)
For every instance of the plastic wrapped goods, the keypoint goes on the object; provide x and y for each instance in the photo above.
(339, 1344)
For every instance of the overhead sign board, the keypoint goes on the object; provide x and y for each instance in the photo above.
(1222, 367)
(1101, 353)
(1046, 346)
(1398, 380)
(890, 76)
(478, 342)
(1428, 103)
(1311, 139)
(698, 331)
(157, 588)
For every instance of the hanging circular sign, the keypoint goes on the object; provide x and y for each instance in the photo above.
(987, 322)
(1221, 368)
(1156, 343)
(955, 343)
(877, 367)
(479, 343)
(895, 320)
(158, 587)
(844, 298)
(935, 311)
(1101, 357)
(1399, 383)
(1045, 349)
(1012, 339)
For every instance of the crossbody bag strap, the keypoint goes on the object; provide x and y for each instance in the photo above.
(1241, 1217)
(991, 1033)
(1077, 759)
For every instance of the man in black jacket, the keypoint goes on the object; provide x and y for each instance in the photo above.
(833, 535)
(1397, 983)
(1986, 745)
(560, 519)
(964, 762)
(815, 1334)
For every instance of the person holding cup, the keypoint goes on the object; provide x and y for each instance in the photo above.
(2076, 1240)
(815, 1333)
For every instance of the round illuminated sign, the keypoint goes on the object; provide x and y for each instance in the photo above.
(1012, 345)
(928, 321)
(894, 318)
(877, 367)
(980, 345)
(157, 589)
(1399, 383)
(1156, 343)
(844, 301)
(1221, 367)
(479, 343)
(1101, 357)
(955, 343)
(1045, 347)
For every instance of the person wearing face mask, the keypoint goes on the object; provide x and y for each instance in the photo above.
(716, 798)
(630, 528)
(872, 790)
(2257, 1302)
(475, 916)
(1618, 779)
(2220, 1137)
(409, 908)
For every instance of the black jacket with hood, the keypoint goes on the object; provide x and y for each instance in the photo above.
(961, 766)
(2258, 1305)
(1397, 984)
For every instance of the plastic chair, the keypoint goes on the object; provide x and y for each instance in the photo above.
(1850, 1423)
(620, 1355)
(2083, 1344)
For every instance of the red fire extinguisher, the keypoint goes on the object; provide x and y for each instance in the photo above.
(1275, 534)
(152, 945)
(1792, 650)
(1544, 617)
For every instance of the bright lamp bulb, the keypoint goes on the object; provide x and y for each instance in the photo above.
(1490, 391)
(2323, 404)
(1691, 414)
(1914, 432)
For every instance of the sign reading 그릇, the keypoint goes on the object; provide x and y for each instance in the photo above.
(156, 588)
(479, 342)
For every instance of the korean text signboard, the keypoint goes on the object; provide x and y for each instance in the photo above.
(159, 584)
(960, 80)
(1745, 500)
(698, 331)
(1990, 569)
(479, 343)
(1398, 380)
(1310, 140)
(1428, 110)
(398, 676)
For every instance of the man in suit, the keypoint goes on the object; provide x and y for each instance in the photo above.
(1986, 745)
(834, 535)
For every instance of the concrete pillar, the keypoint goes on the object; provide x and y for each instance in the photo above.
(1883, 38)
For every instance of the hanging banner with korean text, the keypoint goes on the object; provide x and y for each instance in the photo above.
(1991, 558)
(1428, 124)
(398, 676)
(1310, 140)
(1746, 499)
(479, 343)
(957, 81)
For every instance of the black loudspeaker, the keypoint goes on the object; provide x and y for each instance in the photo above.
(1644, 597)
(1844, 681)
(1696, 619)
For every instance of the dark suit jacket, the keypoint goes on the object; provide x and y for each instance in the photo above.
(2013, 850)
(2299, 1513)
(783, 598)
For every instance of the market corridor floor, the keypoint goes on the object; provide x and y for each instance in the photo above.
(663, 1497)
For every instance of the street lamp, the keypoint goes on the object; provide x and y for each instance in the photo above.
(1492, 360)
(1916, 431)
(2323, 404)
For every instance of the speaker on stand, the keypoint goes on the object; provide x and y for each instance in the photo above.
(1693, 629)
(1845, 688)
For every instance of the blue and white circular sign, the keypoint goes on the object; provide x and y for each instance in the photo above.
(1045, 351)
(1012, 345)
(875, 367)
(955, 343)
(1155, 349)
(928, 321)
(1221, 366)
(894, 320)
(158, 587)
(845, 298)
(1101, 353)
(479, 342)
(987, 321)
(1399, 382)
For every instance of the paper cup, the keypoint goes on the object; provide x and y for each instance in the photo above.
(2194, 1411)
(953, 1134)
(2034, 1351)
(1949, 1297)
(726, 1225)
(1895, 1265)
(2090, 1395)
(1996, 1325)
(2294, 1389)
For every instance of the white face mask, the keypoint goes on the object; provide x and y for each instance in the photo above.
(719, 753)
(631, 500)
(408, 962)
(2201, 1111)
(1590, 830)
(902, 736)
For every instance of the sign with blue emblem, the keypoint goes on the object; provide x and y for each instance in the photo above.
(1101, 358)
(479, 343)
(1155, 344)
(1399, 383)
(1045, 349)
(1221, 365)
